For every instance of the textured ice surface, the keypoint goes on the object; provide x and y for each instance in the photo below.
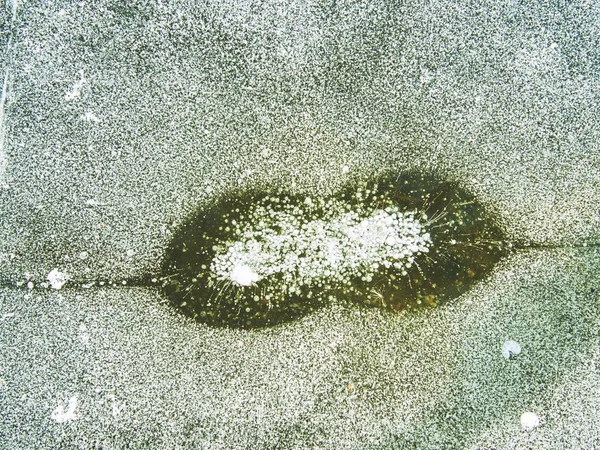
(194, 98)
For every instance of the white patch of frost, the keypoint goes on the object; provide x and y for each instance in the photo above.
(57, 279)
(90, 117)
(510, 348)
(76, 89)
(60, 415)
(529, 421)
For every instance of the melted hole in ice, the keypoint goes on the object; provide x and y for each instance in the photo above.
(399, 242)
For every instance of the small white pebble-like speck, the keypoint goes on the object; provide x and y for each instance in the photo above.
(345, 169)
(60, 415)
(510, 348)
(529, 421)
(83, 255)
(91, 117)
(57, 279)
(75, 91)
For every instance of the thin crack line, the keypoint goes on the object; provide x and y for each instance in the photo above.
(154, 280)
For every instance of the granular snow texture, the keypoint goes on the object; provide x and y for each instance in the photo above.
(121, 118)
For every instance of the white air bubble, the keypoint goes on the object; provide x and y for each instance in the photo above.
(244, 275)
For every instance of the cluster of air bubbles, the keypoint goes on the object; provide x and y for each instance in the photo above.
(308, 253)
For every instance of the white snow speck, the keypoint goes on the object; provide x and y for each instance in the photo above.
(59, 415)
(510, 348)
(345, 169)
(529, 421)
(337, 341)
(116, 407)
(76, 89)
(84, 336)
(244, 275)
(57, 279)
(94, 202)
(130, 253)
(91, 117)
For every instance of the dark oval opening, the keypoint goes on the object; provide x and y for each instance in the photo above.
(401, 241)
